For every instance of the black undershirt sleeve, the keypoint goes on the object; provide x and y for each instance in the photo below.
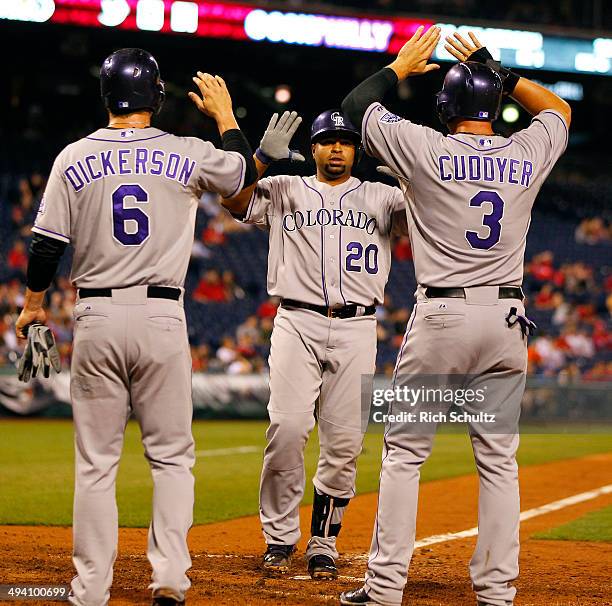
(45, 255)
(369, 91)
(234, 140)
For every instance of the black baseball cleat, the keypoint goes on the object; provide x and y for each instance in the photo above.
(164, 596)
(277, 558)
(357, 596)
(322, 567)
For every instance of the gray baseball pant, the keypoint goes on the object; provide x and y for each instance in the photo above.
(131, 355)
(454, 337)
(313, 358)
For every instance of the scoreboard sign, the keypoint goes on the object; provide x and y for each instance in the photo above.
(382, 34)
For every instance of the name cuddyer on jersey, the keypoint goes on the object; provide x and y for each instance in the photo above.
(485, 168)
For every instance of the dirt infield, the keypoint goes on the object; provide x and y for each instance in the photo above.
(226, 555)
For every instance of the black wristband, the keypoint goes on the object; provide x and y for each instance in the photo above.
(509, 78)
(262, 156)
(510, 81)
(480, 55)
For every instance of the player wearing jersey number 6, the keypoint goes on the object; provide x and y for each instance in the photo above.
(328, 262)
(471, 198)
(125, 198)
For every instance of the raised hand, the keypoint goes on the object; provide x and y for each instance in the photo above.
(275, 141)
(215, 100)
(413, 56)
(460, 48)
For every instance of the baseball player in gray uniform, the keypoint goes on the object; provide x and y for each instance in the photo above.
(125, 198)
(329, 260)
(471, 198)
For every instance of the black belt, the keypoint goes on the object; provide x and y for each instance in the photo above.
(346, 311)
(153, 292)
(505, 292)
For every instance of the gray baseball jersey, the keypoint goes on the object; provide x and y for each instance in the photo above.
(329, 245)
(469, 213)
(126, 200)
(472, 194)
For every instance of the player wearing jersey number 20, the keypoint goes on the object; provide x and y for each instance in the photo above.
(328, 262)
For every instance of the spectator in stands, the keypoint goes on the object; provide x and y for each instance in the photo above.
(200, 357)
(214, 232)
(541, 267)
(547, 356)
(240, 366)
(250, 328)
(17, 258)
(232, 290)
(545, 299)
(211, 288)
(576, 342)
(592, 231)
(268, 308)
(563, 311)
(266, 325)
(200, 251)
(245, 347)
(602, 337)
(402, 251)
(227, 353)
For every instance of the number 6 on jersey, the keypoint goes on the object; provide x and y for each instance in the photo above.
(121, 215)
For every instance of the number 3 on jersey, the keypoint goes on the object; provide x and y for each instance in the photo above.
(491, 220)
(126, 218)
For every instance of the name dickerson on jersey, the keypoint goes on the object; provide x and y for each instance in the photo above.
(138, 161)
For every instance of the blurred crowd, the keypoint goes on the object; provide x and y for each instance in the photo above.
(570, 301)
(577, 338)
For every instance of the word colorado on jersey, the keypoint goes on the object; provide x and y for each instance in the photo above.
(138, 161)
(323, 217)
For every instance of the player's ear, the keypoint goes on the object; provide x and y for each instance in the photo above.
(312, 149)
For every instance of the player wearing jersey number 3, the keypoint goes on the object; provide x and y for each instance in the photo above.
(329, 261)
(471, 195)
(125, 198)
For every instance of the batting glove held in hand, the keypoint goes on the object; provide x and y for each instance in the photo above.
(40, 354)
(275, 143)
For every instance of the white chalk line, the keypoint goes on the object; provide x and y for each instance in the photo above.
(453, 536)
(525, 515)
(221, 452)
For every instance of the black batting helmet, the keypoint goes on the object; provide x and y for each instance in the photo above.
(130, 81)
(333, 121)
(471, 90)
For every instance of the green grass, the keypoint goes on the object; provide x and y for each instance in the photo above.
(594, 526)
(36, 468)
